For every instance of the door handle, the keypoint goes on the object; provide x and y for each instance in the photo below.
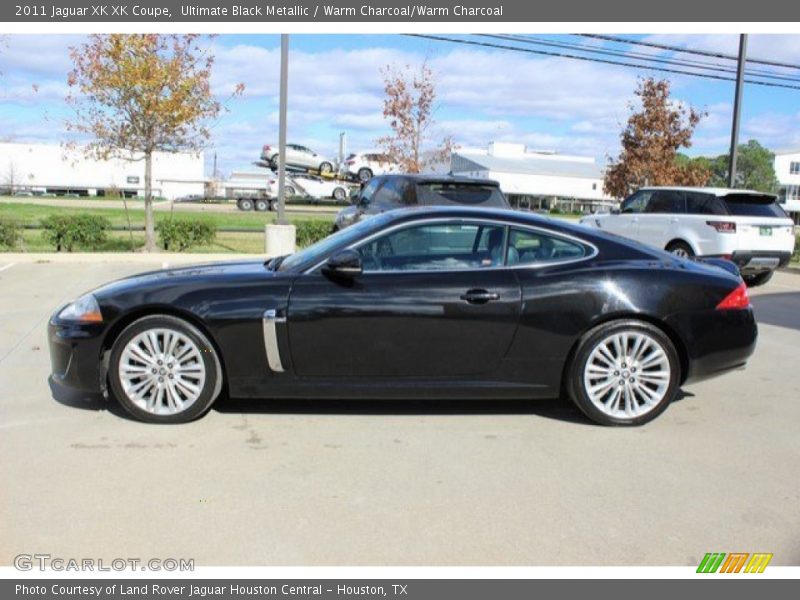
(479, 296)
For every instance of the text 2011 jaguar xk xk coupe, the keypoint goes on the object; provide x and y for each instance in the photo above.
(417, 303)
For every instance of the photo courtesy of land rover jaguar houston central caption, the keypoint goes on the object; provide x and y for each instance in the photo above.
(427, 302)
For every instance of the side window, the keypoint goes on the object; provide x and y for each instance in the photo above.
(667, 201)
(704, 204)
(436, 247)
(526, 247)
(636, 203)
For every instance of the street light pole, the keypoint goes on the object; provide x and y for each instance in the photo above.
(737, 109)
(282, 129)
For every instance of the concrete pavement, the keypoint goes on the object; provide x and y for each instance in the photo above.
(396, 483)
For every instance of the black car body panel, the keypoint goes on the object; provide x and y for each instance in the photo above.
(411, 334)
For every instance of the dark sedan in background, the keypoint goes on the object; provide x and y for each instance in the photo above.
(420, 303)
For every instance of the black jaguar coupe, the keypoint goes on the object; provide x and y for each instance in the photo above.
(417, 303)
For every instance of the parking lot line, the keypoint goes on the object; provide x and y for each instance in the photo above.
(8, 266)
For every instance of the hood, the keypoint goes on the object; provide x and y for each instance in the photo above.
(204, 272)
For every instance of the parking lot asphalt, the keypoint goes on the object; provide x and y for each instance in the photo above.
(396, 483)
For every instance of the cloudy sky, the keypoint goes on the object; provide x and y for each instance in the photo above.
(485, 94)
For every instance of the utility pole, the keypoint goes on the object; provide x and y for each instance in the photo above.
(342, 147)
(282, 129)
(737, 109)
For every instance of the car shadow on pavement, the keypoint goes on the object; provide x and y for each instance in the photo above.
(782, 309)
(559, 409)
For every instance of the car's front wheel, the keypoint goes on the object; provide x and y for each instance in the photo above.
(760, 279)
(364, 174)
(163, 369)
(624, 373)
(325, 167)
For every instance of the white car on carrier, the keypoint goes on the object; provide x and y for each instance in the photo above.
(744, 226)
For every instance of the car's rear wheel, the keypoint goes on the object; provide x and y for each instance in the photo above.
(339, 194)
(364, 174)
(289, 191)
(325, 167)
(624, 373)
(760, 279)
(163, 369)
(681, 249)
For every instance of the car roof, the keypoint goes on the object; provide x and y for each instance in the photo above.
(431, 178)
(717, 191)
(413, 213)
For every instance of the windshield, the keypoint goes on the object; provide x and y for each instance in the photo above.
(316, 252)
(754, 205)
(461, 193)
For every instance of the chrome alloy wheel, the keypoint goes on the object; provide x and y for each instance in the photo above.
(627, 374)
(162, 371)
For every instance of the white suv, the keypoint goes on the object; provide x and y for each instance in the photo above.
(365, 165)
(746, 227)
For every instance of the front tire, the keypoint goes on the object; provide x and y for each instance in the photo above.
(325, 167)
(339, 194)
(163, 369)
(757, 280)
(364, 174)
(624, 373)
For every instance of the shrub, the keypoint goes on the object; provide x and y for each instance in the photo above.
(310, 231)
(68, 231)
(10, 232)
(556, 211)
(178, 235)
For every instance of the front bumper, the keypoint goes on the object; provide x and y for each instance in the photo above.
(76, 355)
(716, 341)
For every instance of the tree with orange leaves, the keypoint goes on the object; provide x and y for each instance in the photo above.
(139, 94)
(409, 106)
(651, 141)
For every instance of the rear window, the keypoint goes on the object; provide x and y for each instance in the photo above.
(461, 193)
(704, 204)
(753, 205)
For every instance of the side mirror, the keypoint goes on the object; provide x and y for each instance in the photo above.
(346, 264)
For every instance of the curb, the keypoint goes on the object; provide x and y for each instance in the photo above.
(165, 258)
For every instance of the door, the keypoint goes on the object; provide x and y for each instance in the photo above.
(626, 222)
(432, 302)
(658, 223)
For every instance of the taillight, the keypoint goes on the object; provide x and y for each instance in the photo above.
(265, 147)
(737, 299)
(723, 226)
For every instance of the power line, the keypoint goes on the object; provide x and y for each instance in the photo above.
(694, 64)
(709, 53)
(597, 60)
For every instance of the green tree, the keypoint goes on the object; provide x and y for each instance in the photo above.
(755, 168)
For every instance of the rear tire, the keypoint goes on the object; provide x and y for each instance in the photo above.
(364, 174)
(245, 204)
(757, 280)
(289, 191)
(680, 249)
(163, 369)
(262, 205)
(339, 194)
(325, 167)
(624, 372)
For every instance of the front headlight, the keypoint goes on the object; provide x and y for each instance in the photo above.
(83, 310)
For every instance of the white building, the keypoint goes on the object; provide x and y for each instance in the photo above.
(787, 170)
(536, 179)
(52, 168)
